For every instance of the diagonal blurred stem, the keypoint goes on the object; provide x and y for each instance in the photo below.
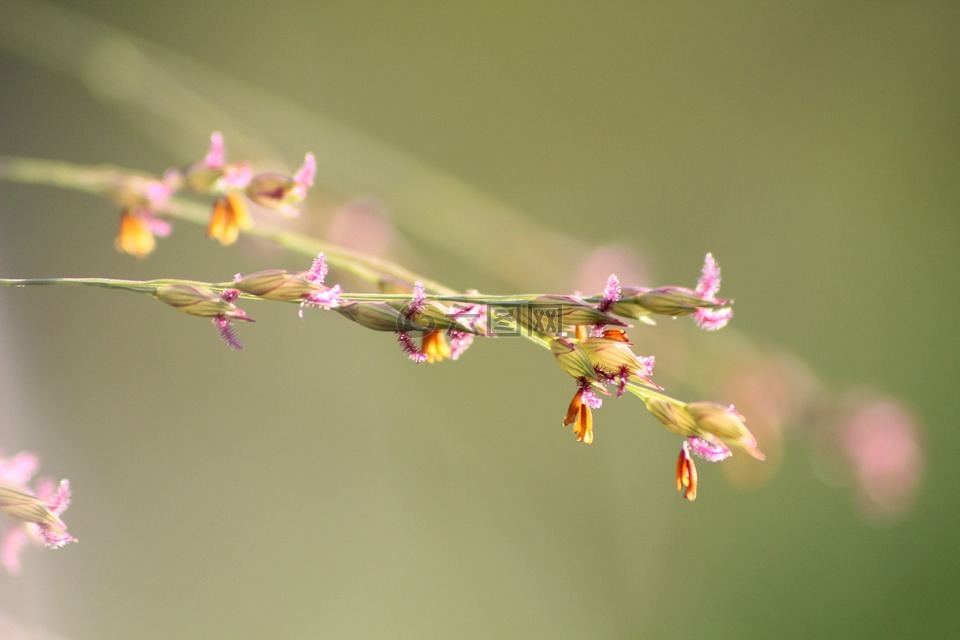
(176, 101)
(101, 180)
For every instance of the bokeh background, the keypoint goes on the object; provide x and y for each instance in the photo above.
(317, 484)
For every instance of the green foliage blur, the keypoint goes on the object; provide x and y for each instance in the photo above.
(319, 485)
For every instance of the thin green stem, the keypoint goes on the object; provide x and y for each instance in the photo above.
(148, 286)
(136, 286)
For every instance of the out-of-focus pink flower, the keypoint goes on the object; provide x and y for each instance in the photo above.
(778, 392)
(230, 216)
(363, 225)
(137, 232)
(10, 629)
(305, 174)
(611, 258)
(226, 181)
(19, 469)
(142, 200)
(35, 514)
(217, 153)
(881, 442)
(14, 541)
(214, 175)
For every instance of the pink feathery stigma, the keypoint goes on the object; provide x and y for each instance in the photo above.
(469, 315)
(55, 536)
(591, 399)
(587, 395)
(410, 348)
(707, 287)
(712, 319)
(226, 332)
(645, 370)
(318, 270)
(329, 299)
(229, 295)
(57, 499)
(709, 283)
(709, 451)
(216, 156)
(305, 174)
(611, 293)
(623, 377)
(418, 294)
(416, 303)
(459, 342)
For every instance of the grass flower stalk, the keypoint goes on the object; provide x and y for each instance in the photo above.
(586, 334)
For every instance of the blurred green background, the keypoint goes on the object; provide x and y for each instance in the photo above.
(320, 485)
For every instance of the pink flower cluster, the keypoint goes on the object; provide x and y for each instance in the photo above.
(144, 201)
